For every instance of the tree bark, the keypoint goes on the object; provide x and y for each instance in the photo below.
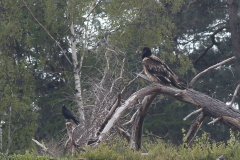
(210, 106)
(235, 37)
(136, 136)
(194, 128)
(233, 25)
(77, 71)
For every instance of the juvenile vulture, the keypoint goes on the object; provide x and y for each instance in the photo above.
(158, 71)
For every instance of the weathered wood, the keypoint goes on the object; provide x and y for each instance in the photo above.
(77, 77)
(136, 136)
(109, 115)
(43, 147)
(210, 106)
(215, 108)
(129, 102)
(194, 129)
(208, 69)
(194, 112)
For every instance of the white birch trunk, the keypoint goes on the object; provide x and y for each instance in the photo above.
(77, 77)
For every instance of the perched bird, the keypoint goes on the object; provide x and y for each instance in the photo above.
(68, 115)
(158, 71)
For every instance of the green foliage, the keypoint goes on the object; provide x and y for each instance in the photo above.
(118, 149)
(142, 22)
(27, 156)
(202, 148)
(17, 92)
(35, 76)
(101, 153)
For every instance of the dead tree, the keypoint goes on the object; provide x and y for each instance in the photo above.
(207, 106)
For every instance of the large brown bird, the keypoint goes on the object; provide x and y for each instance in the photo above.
(158, 71)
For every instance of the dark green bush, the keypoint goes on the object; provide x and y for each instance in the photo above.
(27, 156)
(118, 149)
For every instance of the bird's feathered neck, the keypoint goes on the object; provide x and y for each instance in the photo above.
(146, 52)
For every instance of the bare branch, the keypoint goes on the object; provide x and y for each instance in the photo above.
(219, 4)
(144, 154)
(210, 68)
(199, 126)
(124, 133)
(43, 147)
(215, 120)
(212, 36)
(189, 4)
(139, 94)
(194, 112)
(234, 96)
(144, 77)
(121, 73)
(115, 105)
(92, 8)
(131, 120)
(110, 91)
(203, 54)
(128, 114)
(105, 71)
(125, 87)
(194, 127)
(221, 157)
(109, 49)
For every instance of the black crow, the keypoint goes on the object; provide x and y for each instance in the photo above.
(68, 115)
(158, 71)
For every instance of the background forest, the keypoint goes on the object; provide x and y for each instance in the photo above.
(37, 76)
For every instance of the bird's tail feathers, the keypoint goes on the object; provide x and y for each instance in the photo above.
(76, 121)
